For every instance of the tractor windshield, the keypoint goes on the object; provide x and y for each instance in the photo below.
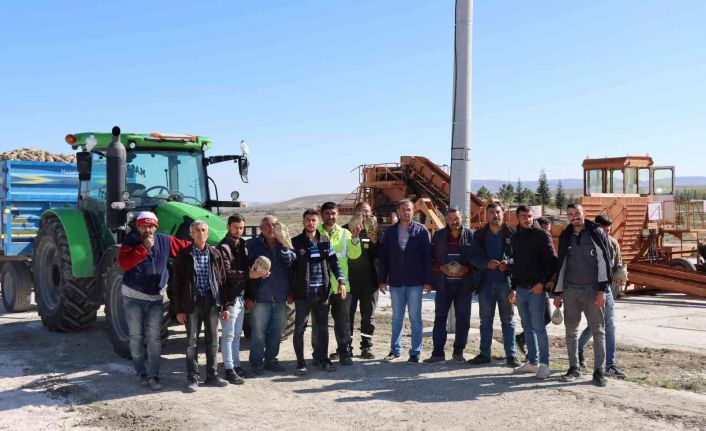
(153, 177)
(156, 176)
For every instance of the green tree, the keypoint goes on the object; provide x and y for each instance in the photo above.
(484, 193)
(529, 197)
(572, 199)
(519, 196)
(560, 197)
(506, 193)
(544, 195)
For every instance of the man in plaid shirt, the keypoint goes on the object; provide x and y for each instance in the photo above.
(199, 273)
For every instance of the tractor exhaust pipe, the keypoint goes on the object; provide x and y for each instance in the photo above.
(116, 167)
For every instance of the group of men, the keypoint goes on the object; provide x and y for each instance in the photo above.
(519, 266)
(506, 266)
(219, 283)
(331, 269)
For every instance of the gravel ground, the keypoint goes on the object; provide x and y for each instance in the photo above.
(75, 381)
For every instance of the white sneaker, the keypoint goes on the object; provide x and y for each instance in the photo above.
(526, 368)
(543, 372)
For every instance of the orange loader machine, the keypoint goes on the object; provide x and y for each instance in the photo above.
(661, 239)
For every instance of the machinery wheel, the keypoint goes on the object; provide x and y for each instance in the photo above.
(16, 282)
(682, 263)
(290, 314)
(65, 303)
(111, 282)
(112, 279)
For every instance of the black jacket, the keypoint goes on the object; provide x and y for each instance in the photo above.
(362, 272)
(604, 258)
(533, 257)
(439, 254)
(235, 258)
(329, 261)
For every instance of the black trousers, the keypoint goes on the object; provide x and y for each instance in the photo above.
(205, 313)
(340, 311)
(368, 303)
(318, 308)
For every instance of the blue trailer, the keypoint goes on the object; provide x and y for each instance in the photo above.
(27, 189)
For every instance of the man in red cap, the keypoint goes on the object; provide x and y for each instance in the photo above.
(143, 258)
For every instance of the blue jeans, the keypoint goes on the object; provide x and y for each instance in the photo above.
(230, 339)
(144, 322)
(267, 322)
(461, 299)
(586, 335)
(489, 295)
(409, 298)
(532, 309)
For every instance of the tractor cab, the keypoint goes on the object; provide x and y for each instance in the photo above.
(163, 173)
(631, 175)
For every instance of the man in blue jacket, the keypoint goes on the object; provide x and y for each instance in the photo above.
(452, 279)
(405, 265)
(143, 257)
(270, 295)
(492, 255)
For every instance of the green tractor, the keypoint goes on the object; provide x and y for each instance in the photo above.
(74, 261)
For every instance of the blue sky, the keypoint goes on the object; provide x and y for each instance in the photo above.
(320, 87)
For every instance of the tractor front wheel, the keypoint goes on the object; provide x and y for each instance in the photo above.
(64, 302)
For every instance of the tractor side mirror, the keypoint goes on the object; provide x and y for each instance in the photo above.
(83, 165)
(243, 168)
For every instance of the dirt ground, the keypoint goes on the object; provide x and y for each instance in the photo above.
(75, 381)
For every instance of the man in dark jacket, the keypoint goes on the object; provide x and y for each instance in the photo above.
(200, 273)
(312, 288)
(235, 255)
(534, 263)
(491, 254)
(143, 257)
(405, 265)
(269, 293)
(452, 279)
(584, 277)
(362, 275)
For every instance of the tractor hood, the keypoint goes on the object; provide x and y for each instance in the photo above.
(175, 219)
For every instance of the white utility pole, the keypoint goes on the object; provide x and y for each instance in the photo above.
(461, 130)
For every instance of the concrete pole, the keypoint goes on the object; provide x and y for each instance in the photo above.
(461, 131)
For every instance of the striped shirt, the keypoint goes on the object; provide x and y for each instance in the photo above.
(201, 269)
(316, 275)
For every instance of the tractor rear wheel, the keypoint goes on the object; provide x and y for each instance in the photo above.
(16, 280)
(64, 302)
(112, 280)
(111, 283)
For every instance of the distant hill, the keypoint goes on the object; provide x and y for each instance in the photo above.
(571, 183)
(311, 201)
